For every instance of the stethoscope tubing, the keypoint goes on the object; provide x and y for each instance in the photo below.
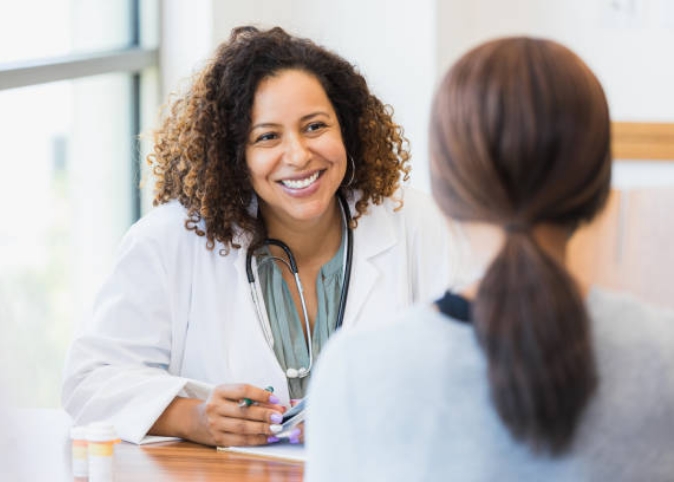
(292, 265)
(347, 266)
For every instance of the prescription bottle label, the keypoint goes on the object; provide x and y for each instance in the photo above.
(80, 462)
(80, 449)
(101, 449)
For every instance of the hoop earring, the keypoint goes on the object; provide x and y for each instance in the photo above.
(353, 171)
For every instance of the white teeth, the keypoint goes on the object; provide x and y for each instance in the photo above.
(300, 183)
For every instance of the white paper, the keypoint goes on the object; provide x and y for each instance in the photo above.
(155, 439)
(282, 450)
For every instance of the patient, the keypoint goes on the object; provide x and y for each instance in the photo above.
(524, 375)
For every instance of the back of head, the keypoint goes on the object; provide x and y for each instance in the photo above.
(520, 137)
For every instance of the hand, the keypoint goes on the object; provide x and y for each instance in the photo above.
(221, 421)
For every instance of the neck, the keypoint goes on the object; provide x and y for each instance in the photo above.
(313, 241)
(554, 240)
(486, 241)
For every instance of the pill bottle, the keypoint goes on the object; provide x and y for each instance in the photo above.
(79, 444)
(102, 438)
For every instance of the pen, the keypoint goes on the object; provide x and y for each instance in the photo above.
(247, 402)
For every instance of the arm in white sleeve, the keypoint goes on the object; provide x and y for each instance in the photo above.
(118, 365)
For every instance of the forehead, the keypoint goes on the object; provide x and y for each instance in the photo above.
(289, 93)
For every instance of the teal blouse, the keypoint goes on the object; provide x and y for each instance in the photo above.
(286, 322)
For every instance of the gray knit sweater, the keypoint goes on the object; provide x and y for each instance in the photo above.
(410, 402)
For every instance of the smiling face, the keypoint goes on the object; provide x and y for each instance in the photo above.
(295, 153)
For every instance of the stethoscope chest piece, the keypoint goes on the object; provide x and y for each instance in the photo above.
(297, 373)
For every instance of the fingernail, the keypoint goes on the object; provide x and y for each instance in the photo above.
(276, 418)
(274, 399)
(275, 428)
(294, 440)
(295, 433)
(271, 440)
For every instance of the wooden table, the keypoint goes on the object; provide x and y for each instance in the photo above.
(42, 452)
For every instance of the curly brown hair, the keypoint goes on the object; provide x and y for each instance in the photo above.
(199, 151)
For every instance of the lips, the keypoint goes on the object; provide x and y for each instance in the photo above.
(301, 183)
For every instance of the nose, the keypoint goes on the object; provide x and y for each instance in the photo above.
(297, 152)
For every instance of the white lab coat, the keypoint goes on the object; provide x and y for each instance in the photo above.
(174, 318)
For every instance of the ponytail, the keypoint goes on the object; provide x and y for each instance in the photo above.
(532, 324)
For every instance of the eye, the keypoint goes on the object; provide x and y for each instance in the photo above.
(267, 136)
(315, 126)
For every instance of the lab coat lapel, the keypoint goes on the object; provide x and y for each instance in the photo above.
(374, 235)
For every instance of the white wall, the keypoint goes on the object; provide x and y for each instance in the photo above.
(632, 54)
(186, 40)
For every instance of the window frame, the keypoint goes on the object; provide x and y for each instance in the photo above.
(132, 59)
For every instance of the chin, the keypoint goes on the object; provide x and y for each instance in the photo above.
(312, 210)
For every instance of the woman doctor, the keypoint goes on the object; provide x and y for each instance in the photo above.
(277, 139)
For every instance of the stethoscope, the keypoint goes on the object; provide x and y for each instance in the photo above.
(292, 266)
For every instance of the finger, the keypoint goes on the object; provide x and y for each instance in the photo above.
(230, 392)
(261, 414)
(273, 414)
(243, 391)
(273, 406)
(248, 427)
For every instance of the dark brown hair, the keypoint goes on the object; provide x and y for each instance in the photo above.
(199, 151)
(520, 136)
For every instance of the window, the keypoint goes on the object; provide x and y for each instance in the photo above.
(75, 78)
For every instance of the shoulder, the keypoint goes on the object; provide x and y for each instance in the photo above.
(365, 368)
(169, 217)
(165, 225)
(634, 351)
(624, 314)
(436, 245)
(417, 205)
(158, 219)
(415, 199)
(418, 212)
(629, 329)
(374, 350)
(161, 234)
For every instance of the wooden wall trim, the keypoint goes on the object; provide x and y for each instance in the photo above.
(643, 140)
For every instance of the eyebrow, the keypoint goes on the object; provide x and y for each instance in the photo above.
(305, 118)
